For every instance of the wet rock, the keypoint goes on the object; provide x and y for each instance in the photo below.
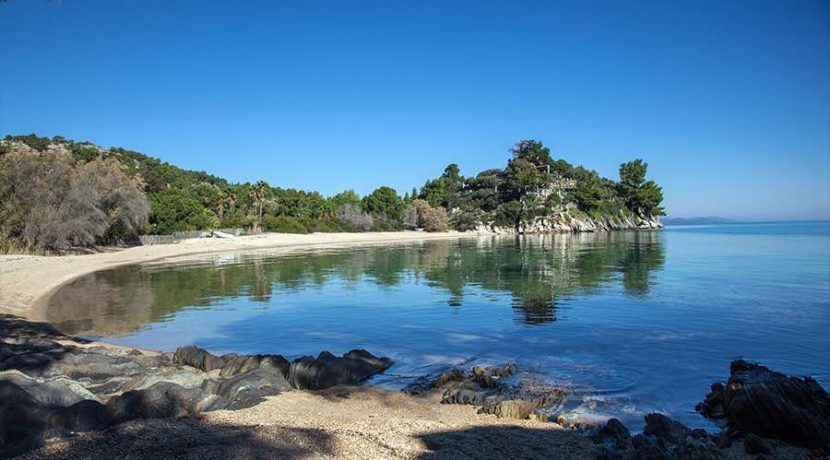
(462, 395)
(485, 387)
(517, 408)
(614, 435)
(248, 389)
(757, 400)
(663, 437)
(368, 358)
(198, 358)
(228, 365)
(491, 377)
(328, 370)
(454, 375)
(662, 427)
(425, 384)
(714, 405)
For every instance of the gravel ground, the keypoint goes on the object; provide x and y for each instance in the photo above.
(337, 423)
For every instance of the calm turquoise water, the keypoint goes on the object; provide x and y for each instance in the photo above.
(634, 322)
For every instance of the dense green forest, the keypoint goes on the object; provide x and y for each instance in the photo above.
(57, 194)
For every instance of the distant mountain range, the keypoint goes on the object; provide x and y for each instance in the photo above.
(710, 220)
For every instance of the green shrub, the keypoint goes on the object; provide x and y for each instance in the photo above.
(284, 224)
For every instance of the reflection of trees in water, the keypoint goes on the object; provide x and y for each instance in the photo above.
(107, 303)
(537, 271)
(540, 269)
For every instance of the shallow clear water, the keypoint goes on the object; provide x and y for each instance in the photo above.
(634, 322)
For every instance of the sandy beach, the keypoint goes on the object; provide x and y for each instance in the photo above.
(25, 280)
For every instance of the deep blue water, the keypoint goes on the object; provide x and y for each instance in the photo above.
(633, 322)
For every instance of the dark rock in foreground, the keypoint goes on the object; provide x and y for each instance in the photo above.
(230, 364)
(50, 386)
(327, 370)
(762, 402)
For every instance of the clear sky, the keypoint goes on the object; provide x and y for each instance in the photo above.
(728, 101)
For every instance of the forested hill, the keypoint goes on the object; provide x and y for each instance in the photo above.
(57, 194)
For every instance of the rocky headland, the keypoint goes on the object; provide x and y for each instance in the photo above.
(573, 222)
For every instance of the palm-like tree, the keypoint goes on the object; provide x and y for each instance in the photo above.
(227, 198)
(260, 193)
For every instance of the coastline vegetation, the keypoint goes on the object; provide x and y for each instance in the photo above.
(57, 195)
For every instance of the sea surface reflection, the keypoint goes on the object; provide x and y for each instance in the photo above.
(632, 321)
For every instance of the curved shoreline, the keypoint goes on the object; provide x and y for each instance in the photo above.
(27, 282)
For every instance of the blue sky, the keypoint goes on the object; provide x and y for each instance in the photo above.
(728, 101)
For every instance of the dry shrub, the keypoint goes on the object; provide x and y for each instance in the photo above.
(429, 218)
(48, 202)
(355, 218)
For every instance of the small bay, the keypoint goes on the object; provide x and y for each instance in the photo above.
(633, 322)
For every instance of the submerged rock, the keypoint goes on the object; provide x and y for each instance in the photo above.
(486, 387)
(328, 370)
(759, 401)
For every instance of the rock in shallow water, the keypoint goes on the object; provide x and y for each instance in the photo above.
(486, 387)
(327, 370)
(757, 400)
(228, 365)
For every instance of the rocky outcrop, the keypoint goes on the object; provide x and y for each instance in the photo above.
(249, 388)
(764, 413)
(228, 365)
(662, 438)
(762, 402)
(487, 387)
(327, 370)
(566, 222)
(51, 384)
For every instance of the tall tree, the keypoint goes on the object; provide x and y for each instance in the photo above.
(532, 151)
(640, 195)
(260, 193)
